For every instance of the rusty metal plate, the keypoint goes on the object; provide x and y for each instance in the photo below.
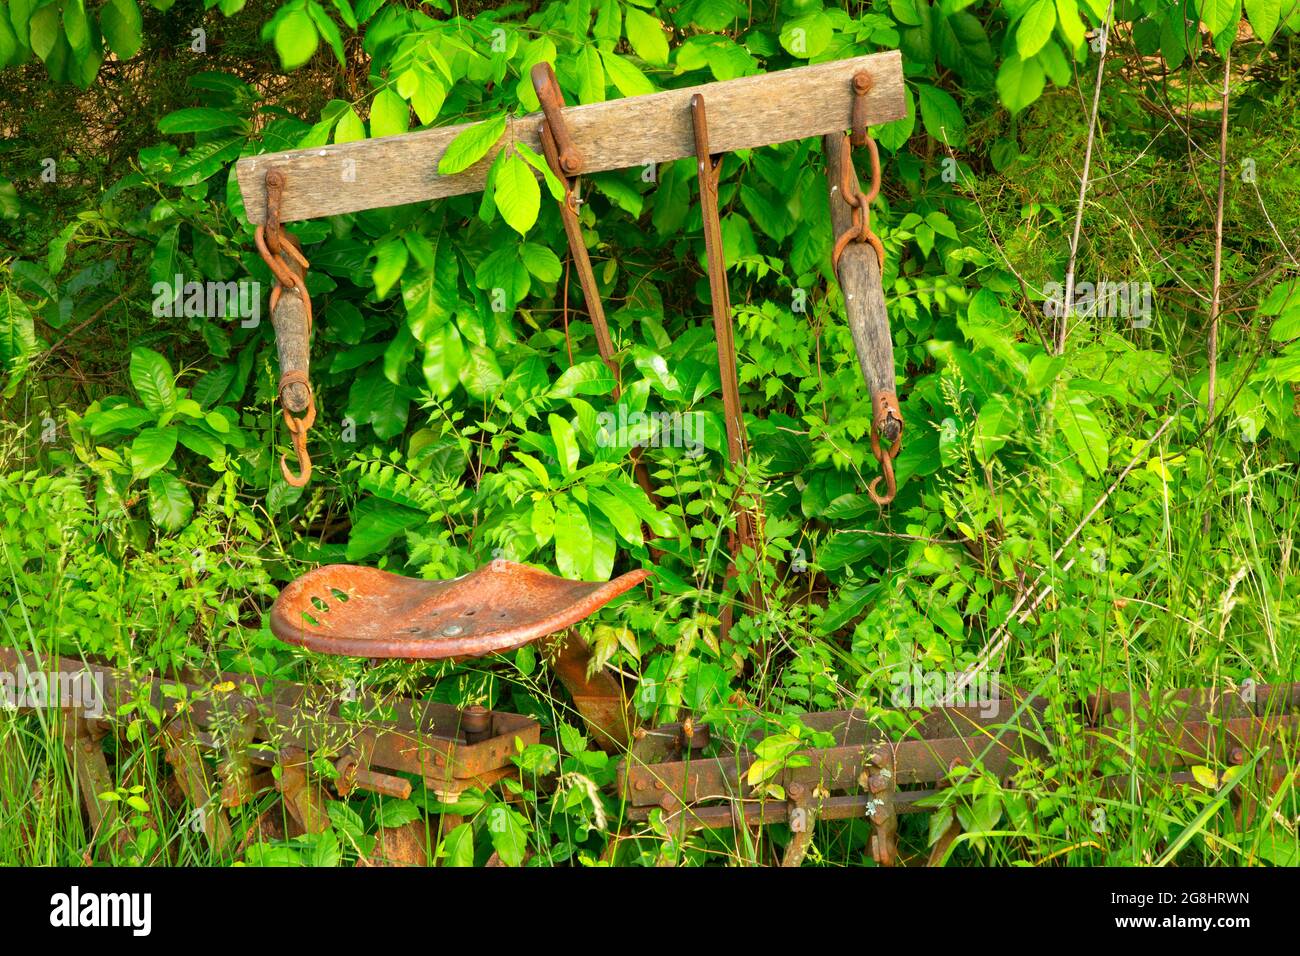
(364, 612)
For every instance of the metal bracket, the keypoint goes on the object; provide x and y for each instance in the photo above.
(802, 818)
(881, 784)
(553, 126)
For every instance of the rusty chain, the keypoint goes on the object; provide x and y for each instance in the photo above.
(886, 419)
(269, 239)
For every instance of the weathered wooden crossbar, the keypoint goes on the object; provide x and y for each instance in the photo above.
(744, 113)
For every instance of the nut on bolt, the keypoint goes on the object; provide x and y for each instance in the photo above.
(475, 721)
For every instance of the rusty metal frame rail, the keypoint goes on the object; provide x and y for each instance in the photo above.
(860, 775)
(256, 722)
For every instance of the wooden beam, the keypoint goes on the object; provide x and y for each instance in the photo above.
(744, 113)
(860, 281)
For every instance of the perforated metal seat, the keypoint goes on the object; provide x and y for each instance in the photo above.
(364, 612)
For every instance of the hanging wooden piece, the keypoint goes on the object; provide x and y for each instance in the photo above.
(858, 260)
(291, 317)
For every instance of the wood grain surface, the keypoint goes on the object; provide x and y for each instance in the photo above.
(744, 113)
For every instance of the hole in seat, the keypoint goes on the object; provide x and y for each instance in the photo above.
(320, 604)
(341, 596)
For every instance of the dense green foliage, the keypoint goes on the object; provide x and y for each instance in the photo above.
(464, 408)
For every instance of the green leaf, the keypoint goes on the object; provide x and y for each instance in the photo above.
(205, 160)
(480, 373)
(573, 541)
(603, 546)
(941, 115)
(151, 450)
(609, 23)
(1283, 301)
(992, 428)
(629, 80)
(1019, 83)
(542, 520)
(553, 184)
(1072, 28)
(458, 846)
(17, 337)
(389, 114)
(328, 29)
(201, 443)
(170, 505)
(1206, 777)
(509, 836)
(396, 813)
(76, 28)
(373, 528)
(659, 522)
(444, 355)
(541, 261)
(120, 22)
(646, 34)
(152, 378)
(44, 25)
(591, 75)
(904, 12)
(620, 514)
(1035, 28)
(9, 48)
(517, 194)
(197, 119)
(349, 128)
(807, 36)
(586, 378)
(296, 39)
(1173, 40)
(566, 444)
(327, 852)
(1264, 16)
(471, 146)
(1084, 433)
(1286, 326)
(536, 467)
(124, 417)
(1217, 15)
(390, 262)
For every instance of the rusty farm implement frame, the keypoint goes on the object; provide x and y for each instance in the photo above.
(869, 765)
(876, 766)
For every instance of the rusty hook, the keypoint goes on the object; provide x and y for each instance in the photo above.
(298, 429)
(887, 423)
(304, 462)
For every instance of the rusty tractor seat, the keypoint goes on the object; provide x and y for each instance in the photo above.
(364, 612)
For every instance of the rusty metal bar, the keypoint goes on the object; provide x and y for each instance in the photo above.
(413, 736)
